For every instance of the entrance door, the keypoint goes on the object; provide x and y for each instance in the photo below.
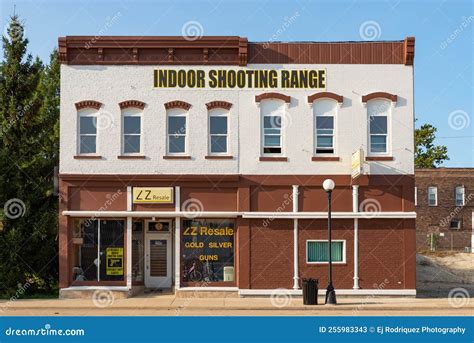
(158, 260)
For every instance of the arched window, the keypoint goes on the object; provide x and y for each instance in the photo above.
(218, 131)
(273, 116)
(324, 110)
(132, 131)
(176, 131)
(378, 111)
(87, 128)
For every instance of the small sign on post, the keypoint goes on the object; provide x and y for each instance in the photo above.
(357, 162)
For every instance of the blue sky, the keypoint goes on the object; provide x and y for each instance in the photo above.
(443, 30)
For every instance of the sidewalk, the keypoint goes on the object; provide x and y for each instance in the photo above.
(169, 305)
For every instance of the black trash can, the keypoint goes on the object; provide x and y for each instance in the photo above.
(310, 291)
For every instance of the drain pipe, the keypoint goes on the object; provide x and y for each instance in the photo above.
(296, 284)
(355, 208)
(129, 238)
(177, 238)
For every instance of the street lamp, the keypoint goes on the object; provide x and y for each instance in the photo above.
(328, 186)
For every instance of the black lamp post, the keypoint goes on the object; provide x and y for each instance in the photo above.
(328, 186)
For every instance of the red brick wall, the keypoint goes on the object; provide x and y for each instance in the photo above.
(271, 254)
(317, 229)
(386, 253)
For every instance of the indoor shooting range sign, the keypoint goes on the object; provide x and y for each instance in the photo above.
(240, 78)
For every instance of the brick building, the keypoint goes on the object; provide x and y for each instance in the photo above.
(444, 201)
(198, 164)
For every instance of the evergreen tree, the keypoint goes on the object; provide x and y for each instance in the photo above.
(29, 115)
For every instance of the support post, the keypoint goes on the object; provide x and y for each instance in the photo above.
(296, 284)
(472, 236)
(355, 208)
(129, 239)
(177, 238)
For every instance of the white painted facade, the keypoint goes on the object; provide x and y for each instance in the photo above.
(113, 84)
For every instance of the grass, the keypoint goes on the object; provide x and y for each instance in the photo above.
(439, 253)
(53, 295)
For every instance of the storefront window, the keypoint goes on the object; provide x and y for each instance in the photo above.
(111, 250)
(137, 251)
(98, 250)
(85, 242)
(208, 250)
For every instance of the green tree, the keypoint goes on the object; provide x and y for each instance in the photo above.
(28, 153)
(427, 154)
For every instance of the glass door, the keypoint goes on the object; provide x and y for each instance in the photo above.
(158, 258)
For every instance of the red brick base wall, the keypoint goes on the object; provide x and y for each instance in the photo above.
(386, 253)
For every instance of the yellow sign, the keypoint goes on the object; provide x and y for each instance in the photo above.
(356, 163)
(114, 261)
(241, 78)
(152, 195)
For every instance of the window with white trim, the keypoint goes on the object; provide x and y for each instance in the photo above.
(218, 132)
(132, 131)
(455, 224)
(459, 195)
(176, 131)
(378, 111)
(273, 113)
(317, 251)
(87, 131)
(432, 196)
(325, 115)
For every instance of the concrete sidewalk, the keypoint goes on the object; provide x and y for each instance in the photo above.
(171, 305)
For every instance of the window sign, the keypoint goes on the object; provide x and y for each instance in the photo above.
(208, 250)
(114, 261)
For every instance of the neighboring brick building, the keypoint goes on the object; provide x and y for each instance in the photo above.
(444, 199)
